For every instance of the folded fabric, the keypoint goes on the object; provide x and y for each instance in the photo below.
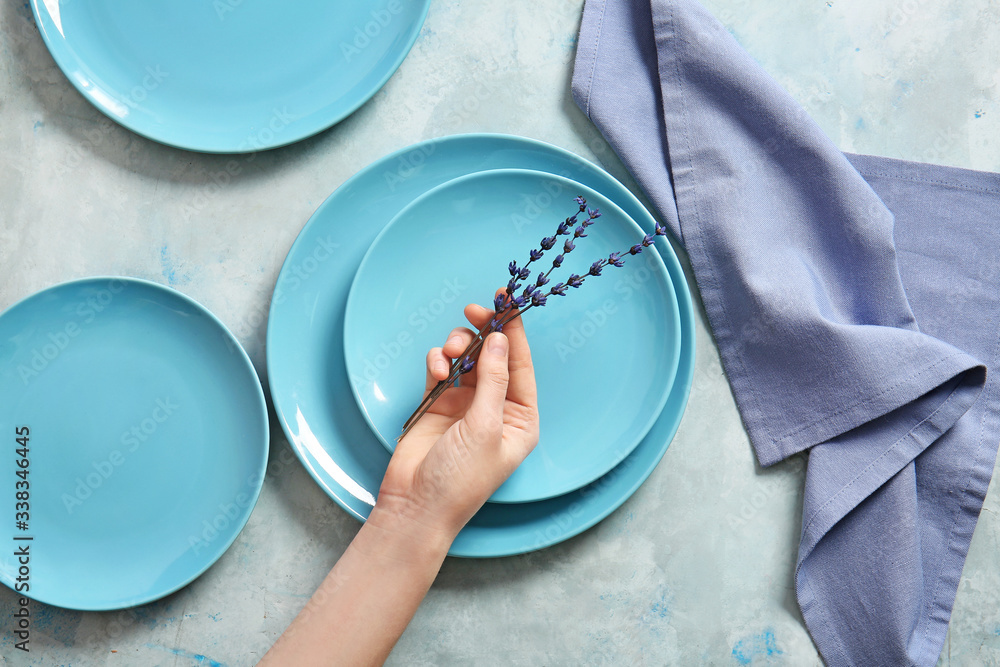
(854, 303)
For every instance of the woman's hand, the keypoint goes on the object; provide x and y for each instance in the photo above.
(473, 436)
(446, 467)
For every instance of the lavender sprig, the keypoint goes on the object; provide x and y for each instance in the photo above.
(507, 306)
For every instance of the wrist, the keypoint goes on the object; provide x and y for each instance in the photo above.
(406, 532)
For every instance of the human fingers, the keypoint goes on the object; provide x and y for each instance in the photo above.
(438, 367)
(482, 318)
(484, 419)
(458, 341)
(522, 372)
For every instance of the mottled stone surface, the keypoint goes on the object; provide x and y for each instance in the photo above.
(697, 567)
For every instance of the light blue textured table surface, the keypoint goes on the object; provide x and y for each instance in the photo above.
(697, 567)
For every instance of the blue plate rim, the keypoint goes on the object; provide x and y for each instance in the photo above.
(674, 311)
(64, 57)
(685, 304)
(262, 404)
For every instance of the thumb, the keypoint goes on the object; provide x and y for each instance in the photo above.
(485, 415)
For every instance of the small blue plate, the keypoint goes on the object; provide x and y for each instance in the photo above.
(305, 355)
(601, 380)
(228, 76)
(135, 431)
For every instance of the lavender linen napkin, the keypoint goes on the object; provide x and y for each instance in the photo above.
(854, 302)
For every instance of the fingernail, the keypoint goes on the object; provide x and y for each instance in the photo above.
(440, 366)
(454, 340)
(498, 344)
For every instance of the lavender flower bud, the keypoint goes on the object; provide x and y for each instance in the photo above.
(581, 202)
(538, 299)
(559, 289)
(574, 281)
(519, 301)
(512, 268)
(466, 366)
(615, 259)
(595, 268)
(536, 255)
(512, 285)
(636, 249)
(541, 280)
(568, 246)
(660, 231)
(548, 242)
(499, 302)
(579, 233)
(594, 213)
(647, 240)
(564, 226)
(523, 273)
(557, 262)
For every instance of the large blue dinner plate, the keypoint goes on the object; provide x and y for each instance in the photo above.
(228, 76)
(601, 385)
(135, 441)
(306, 368)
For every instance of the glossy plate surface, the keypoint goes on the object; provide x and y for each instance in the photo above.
(306, 368)
(146, 434)
(228, 76)
(602, 380)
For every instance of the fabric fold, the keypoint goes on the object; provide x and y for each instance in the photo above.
(832, 332)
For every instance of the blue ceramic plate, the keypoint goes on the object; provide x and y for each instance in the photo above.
(228, 76)
(602, 380)
(305, 354)
(135, 432)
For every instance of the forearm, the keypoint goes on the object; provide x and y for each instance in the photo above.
(365, 603)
